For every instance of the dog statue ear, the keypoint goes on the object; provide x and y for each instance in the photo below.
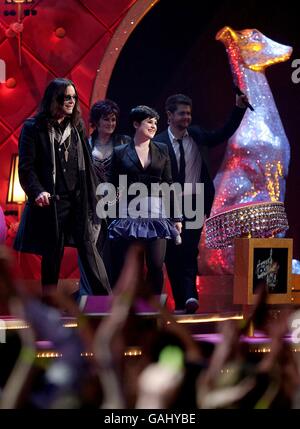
(226, 35)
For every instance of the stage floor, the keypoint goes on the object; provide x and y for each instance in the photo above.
(204, 328)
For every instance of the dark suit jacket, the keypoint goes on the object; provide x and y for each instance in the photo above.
(204, 140)
(125, 161)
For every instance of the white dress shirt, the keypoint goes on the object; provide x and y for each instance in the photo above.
(193, 160)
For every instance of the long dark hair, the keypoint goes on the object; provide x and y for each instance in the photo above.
(53, 100)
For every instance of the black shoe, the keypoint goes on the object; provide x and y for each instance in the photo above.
(191, 305)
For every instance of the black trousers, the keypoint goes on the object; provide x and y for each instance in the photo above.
(155, 251)
(68, 214)
(103, 246)
(182, 265)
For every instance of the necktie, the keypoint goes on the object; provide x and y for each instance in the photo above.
(181, 162)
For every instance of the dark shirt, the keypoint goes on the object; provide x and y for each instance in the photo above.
(67, 175)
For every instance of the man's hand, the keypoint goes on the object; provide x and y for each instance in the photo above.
(241, 100)
(42, 199)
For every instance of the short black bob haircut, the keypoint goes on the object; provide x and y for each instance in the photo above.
(139, 113)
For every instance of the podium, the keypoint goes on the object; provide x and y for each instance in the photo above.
(267, 260)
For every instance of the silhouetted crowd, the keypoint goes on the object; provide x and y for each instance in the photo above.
(92, 368)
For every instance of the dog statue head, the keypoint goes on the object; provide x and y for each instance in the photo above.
(254, 49)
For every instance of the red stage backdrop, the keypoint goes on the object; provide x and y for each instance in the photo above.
(72, 39)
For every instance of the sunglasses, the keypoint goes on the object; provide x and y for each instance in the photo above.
(69, 97)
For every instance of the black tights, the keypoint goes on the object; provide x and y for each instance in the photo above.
(155, 251)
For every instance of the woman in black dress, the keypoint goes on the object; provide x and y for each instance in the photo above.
(104, 116)
(143, 161)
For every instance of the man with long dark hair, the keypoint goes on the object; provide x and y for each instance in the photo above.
(56, 173)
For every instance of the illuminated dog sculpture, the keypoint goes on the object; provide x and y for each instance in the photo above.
(255, 165)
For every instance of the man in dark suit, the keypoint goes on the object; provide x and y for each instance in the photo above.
(57, 175)
(189, 162)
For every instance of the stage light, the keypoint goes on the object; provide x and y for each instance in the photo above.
(9, 13)
(15, 194)
(28, 12)
(18, 1)
(17, 27)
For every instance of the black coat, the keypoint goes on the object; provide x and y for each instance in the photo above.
(38, 229)
(204, 140)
